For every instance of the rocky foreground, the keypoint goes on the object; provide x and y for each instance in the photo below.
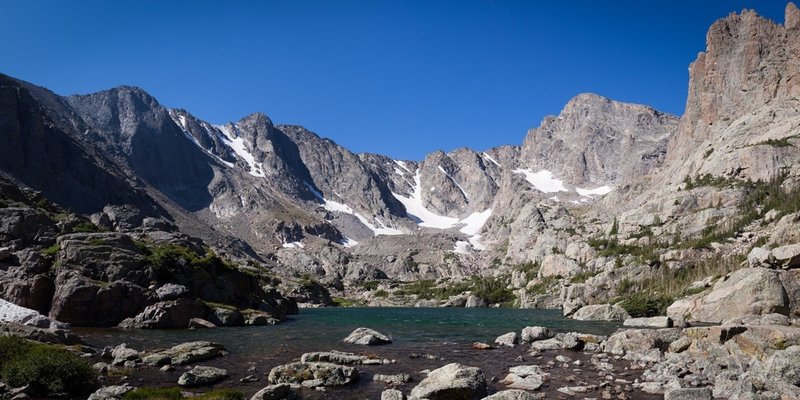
(757, 358)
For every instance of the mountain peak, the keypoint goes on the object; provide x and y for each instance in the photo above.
(792, 17)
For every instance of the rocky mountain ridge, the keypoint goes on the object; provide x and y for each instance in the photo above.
(605, 191)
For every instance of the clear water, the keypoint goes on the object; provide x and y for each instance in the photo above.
(443, 334)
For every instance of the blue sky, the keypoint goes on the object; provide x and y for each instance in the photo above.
(401, 78)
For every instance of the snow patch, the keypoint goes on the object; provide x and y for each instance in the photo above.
(236, 143)
(475, 221)
(181, 122)
(347, 242)
(461, 247)
(602, 190)
(492, 160)
(543, 180)
(331, 205)
(294, 245)
(419, 213)
(466, 196)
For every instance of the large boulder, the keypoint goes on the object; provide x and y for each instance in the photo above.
(280, 391)
(54, 336)
(452, 382)
(12, 313)
(25, 227)
(601, 312)
(788, 256)
(526, 377)
(82, 301)
(201, 376)
(475, 302)
(366, 336)
(531, 334)
(748, 291)
(19, 286)
(510, 339)
(558, 265)
(313, 374)
(651, 322)
(626, 341)
(513, 394)
(168, 315)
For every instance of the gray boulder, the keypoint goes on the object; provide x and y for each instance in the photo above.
(280, 391)
(784, 366)
(122, 353)
(526, 377)
(531, 334)
(788, 256)
(652, 322)
(201, 376)
(313, 374)
(514, 394)
(601, 312)
(366, 336)
(452, 381)
(562, 341)
(335, 357)
(688, 394)
(748, 291)
(171, 291)
(392, 394)
(759, 257)
(510, 339)
(111, 392)
(167, 315)
(475, 302)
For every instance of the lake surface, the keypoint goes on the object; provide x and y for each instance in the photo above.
(328, 326)
(438, 335)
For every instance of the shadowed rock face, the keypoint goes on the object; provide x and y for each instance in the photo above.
(42, 148)
(139, 132)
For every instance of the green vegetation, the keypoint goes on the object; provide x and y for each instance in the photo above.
(647, 254)
(614, 227)
(531, 269)
(709, 180)
(308, 282)
(47, 369)
(370, 285)
(759, 198)
(169, 258)
(652, 296)
(491, 289)
(50, 251)
(583, 276)
(344, 302)
(784, 142)
(643, 305)
(381, 293)
(544, 285)
(174, 393)
(85, 227)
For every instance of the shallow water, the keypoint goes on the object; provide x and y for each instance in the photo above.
(446, 334)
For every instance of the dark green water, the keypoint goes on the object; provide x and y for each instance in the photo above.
(328, 326)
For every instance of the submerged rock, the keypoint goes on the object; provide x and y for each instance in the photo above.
(366, 336)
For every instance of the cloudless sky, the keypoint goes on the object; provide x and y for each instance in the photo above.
(401, 78)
